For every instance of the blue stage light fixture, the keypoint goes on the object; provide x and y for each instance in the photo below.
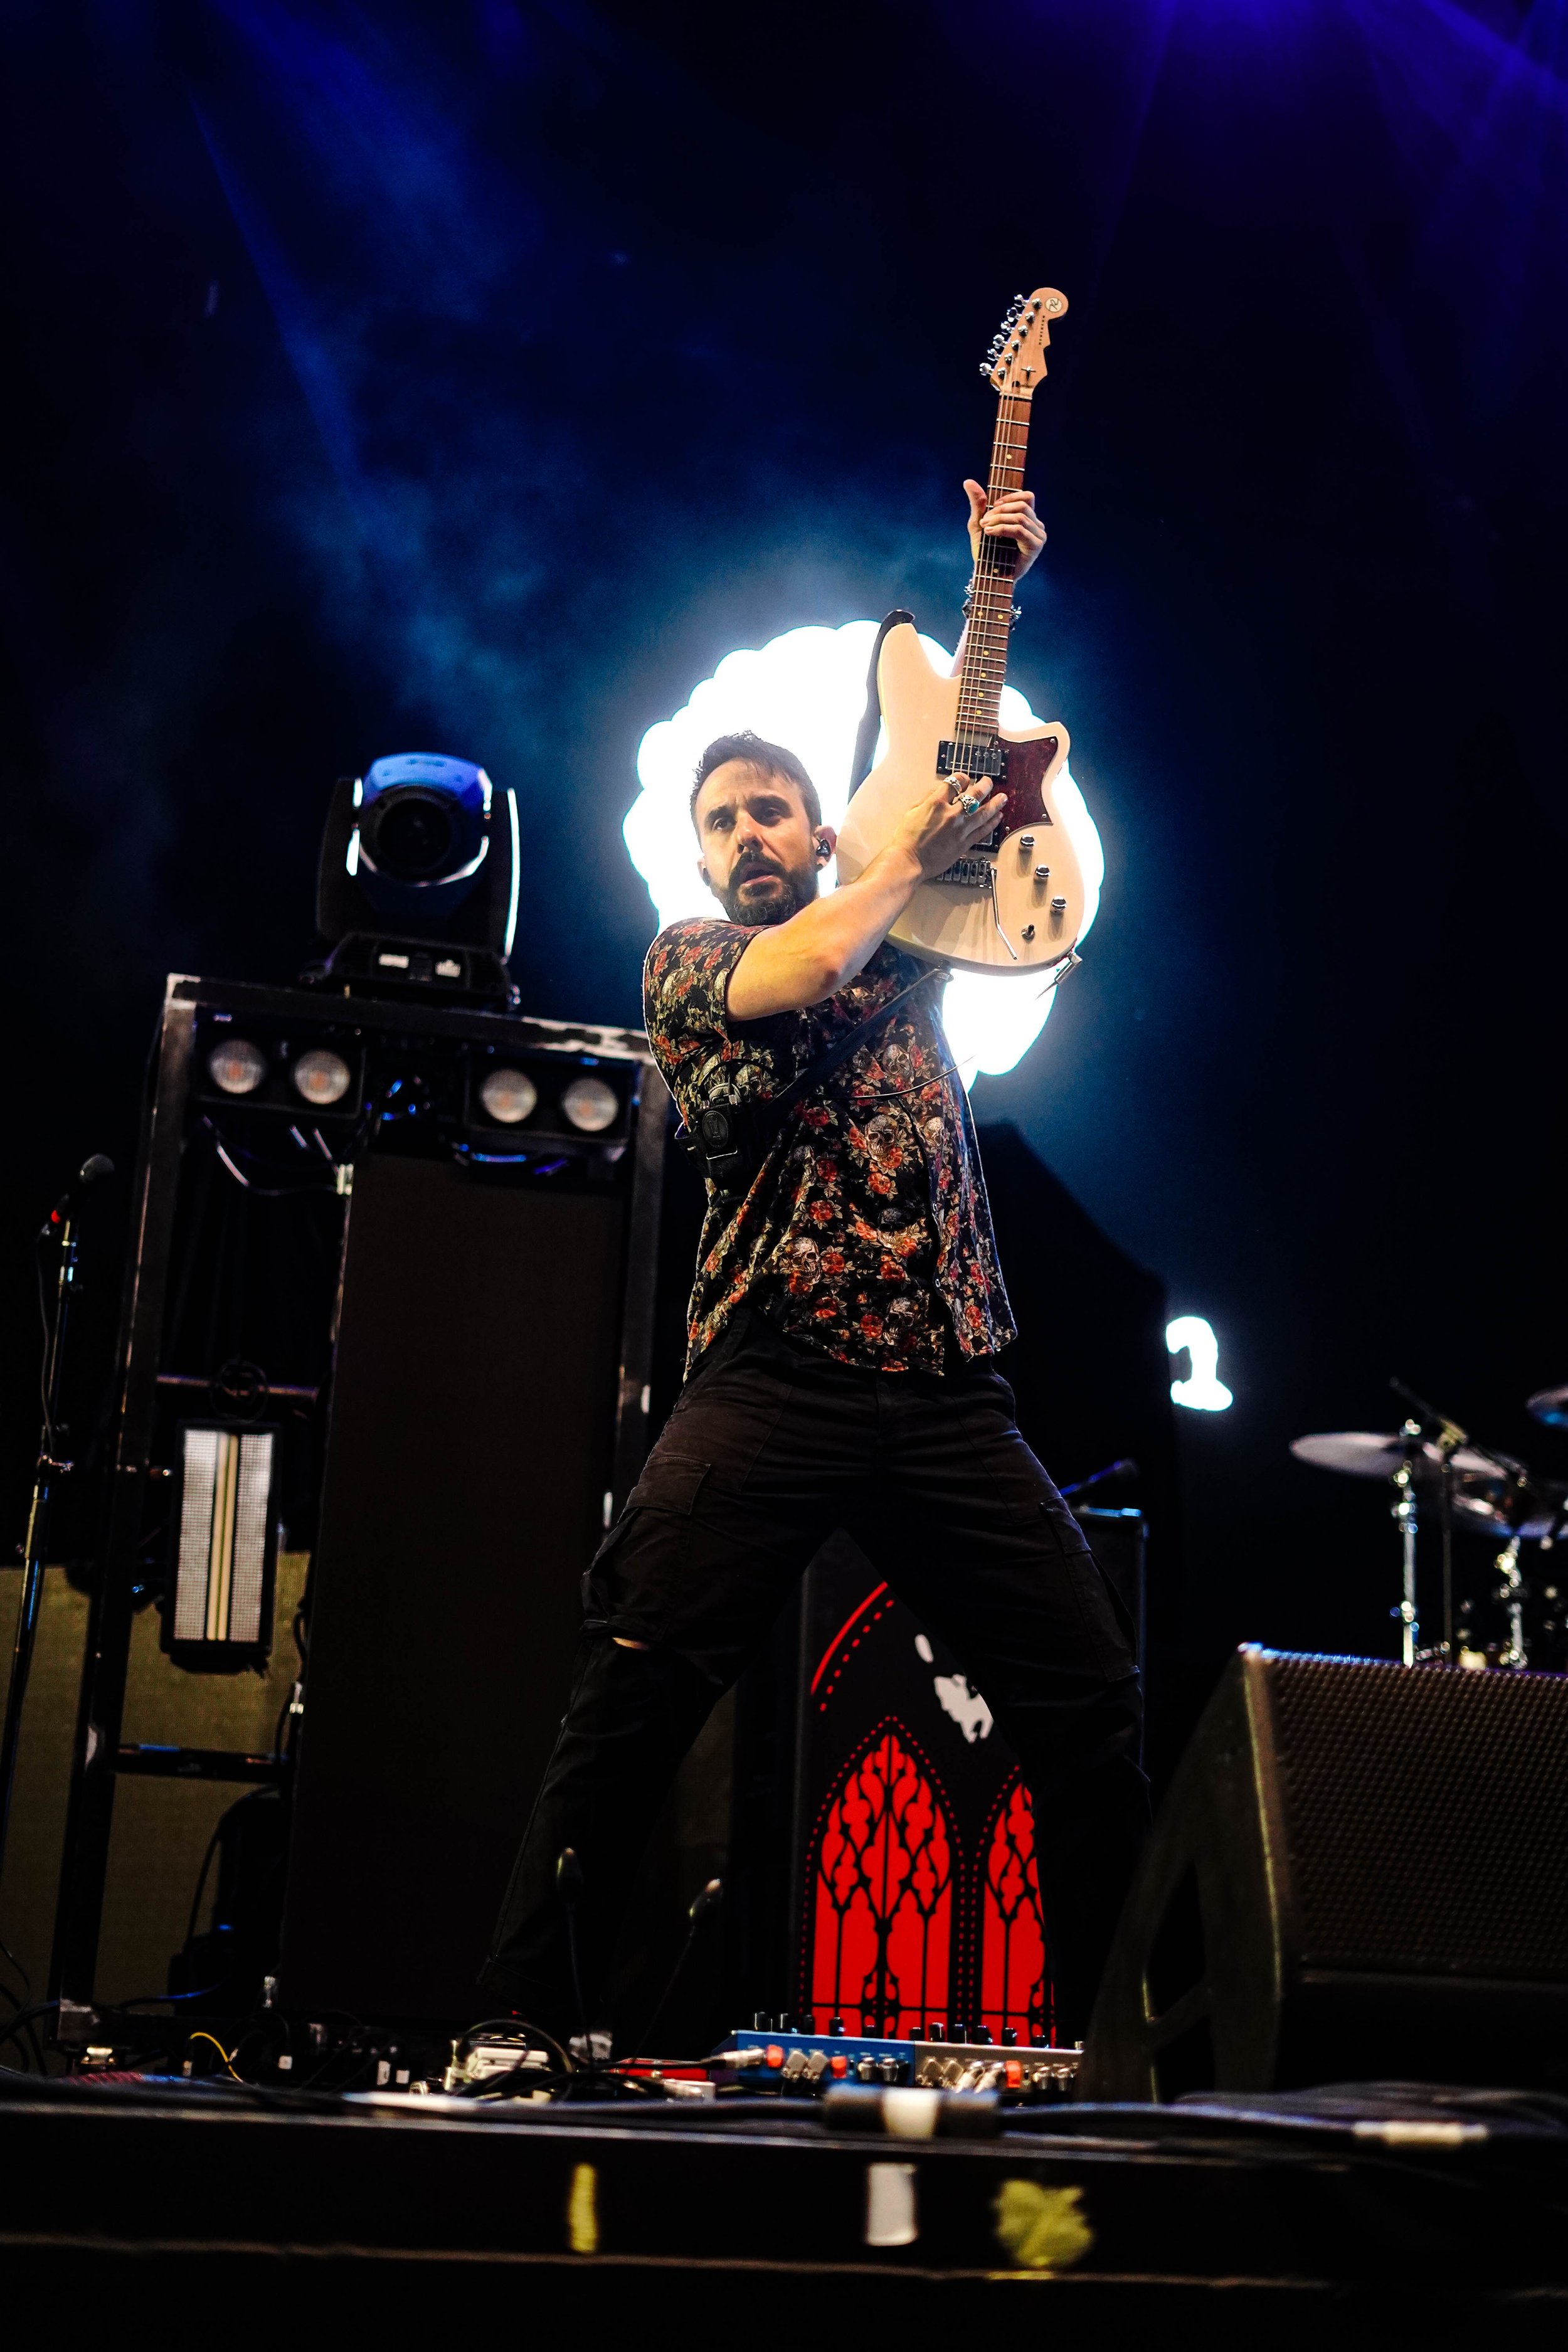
(417, 887)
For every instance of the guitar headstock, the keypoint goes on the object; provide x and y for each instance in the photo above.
(1017, 361)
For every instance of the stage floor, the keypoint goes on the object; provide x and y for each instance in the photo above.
(417, 2210)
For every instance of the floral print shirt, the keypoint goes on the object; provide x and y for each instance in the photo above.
(866, 1232)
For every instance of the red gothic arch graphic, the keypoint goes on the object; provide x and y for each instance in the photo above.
(882, 1869)
(1015, 1985)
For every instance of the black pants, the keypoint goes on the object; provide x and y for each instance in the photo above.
(771, 1447)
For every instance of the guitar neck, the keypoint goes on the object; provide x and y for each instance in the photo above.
(985, 671)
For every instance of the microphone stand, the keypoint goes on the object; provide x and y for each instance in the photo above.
(46, 1475)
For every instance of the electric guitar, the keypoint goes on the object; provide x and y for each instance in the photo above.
(1014, 903)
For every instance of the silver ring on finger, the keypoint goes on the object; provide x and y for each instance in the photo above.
(969, 804)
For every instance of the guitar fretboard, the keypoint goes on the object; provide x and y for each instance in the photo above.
(991, 586)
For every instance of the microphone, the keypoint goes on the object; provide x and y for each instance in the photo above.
(569, 1890)
(706, 1902)
(93, 1170)
(1126, 1468)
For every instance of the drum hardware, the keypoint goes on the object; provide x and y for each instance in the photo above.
(1510, 1584)
(1431, 1456)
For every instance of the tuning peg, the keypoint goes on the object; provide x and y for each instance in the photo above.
(985, 366)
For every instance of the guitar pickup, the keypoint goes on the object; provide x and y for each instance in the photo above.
(965, 755)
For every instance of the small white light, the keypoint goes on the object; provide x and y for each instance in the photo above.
(236, 1066)
(322, 1077)
(1205, 1391)
(509, 1096)
(591, 1105)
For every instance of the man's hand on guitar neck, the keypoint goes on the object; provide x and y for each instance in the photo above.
(1012, 517)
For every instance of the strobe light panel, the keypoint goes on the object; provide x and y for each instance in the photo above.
(226, 1544)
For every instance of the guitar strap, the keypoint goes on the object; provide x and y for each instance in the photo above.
(871, 721)
(733, 1140)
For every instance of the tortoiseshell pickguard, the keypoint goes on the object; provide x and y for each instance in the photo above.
(1022, 781)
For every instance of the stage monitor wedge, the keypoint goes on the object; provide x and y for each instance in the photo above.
(1361, 1874)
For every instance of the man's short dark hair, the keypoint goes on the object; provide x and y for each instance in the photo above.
(769, 759)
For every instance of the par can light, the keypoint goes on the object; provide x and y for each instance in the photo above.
(591, 1105)
(236, 1066)
(509, 1096)
(322, 1077)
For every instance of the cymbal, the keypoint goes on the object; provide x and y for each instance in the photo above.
(1366, 1453)
(1550, 1405)
(1488, 1514)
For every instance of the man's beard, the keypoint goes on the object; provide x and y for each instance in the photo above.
(777, 906)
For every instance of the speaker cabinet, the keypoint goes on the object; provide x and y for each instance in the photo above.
(468, 1458)
(1359, 1873)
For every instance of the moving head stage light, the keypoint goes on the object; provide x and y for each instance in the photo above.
(417, 888)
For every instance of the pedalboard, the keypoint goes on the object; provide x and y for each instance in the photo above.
(806, 2064)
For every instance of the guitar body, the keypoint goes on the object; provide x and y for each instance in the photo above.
(1001, 915)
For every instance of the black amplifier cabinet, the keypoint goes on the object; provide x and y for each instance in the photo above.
(419, 1244)
(915, 1899)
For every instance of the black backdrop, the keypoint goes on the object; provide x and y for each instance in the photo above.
(477, 376)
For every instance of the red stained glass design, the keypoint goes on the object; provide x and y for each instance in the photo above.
(880, 1939)
(1014, 1980)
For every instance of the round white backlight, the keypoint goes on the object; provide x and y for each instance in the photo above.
(236, 1066)
(322, 1077)
(591, 1105)
(509, 1096)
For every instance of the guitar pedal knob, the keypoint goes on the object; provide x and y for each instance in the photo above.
(1042, 872)
(1058, 906)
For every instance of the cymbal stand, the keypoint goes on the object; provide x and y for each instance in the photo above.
(1510, 1591)
(1447, 1436)
(1404, 1520)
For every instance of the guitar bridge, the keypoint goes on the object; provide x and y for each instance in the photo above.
(968, 873)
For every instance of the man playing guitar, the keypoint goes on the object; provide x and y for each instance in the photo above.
(843, 1329)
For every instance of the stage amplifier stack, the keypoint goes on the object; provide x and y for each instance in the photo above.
(391, 1289)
